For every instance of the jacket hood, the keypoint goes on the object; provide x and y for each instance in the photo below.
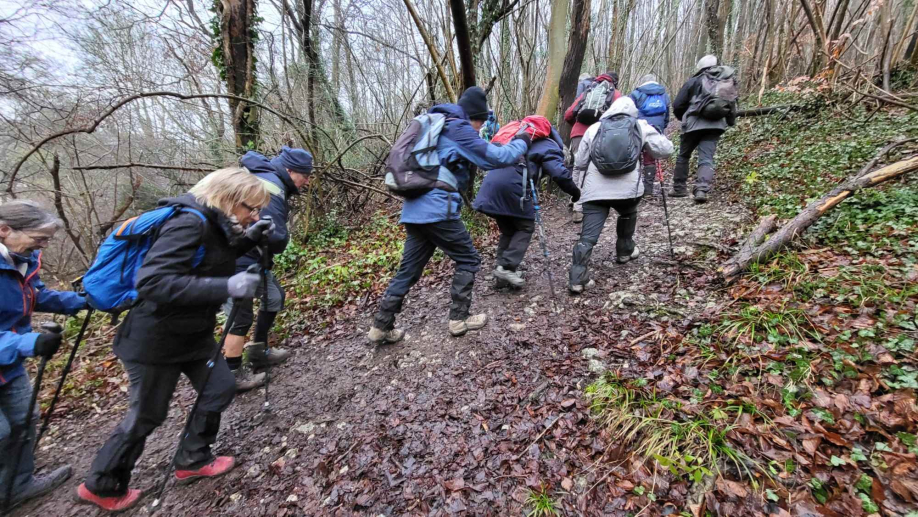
(258, 163)
(652, 89)
(450, 110)
(624, 105)
(556, 137)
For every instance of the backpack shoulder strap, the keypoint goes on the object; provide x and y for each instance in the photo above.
(194, 211)
(272, 188)
(199, 255)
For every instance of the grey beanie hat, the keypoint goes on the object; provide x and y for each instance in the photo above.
(706, 62)
(649, 78)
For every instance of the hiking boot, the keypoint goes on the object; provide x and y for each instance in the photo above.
(460, 327)
(578, 217)
(39, 486)
(110, 504)
(513, 278)
(701, 197)
(247, 379)
(577, 289)
(221, 465)
(261, 356)
(678, 192)
(379, 336)
(634, 254)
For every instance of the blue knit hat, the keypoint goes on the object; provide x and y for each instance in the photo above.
(297, 160)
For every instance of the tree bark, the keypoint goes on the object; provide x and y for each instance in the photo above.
(715, 27)
(819, 31)
(463, 41)
(237, 27)
(573, 61)
(548, 103)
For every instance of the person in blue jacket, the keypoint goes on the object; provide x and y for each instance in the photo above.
(432, 220)
(653, 105)
(25, 228)
(504, 196)
(284, 176)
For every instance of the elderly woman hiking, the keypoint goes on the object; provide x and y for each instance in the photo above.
(25, 228)
(170, 331)
(609, 161)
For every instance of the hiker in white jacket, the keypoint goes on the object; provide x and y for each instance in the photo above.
(600, 193)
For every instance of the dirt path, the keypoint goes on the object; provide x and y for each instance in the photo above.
(436, 425)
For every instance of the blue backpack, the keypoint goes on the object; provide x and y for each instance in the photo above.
(110, 282)
(653, 105)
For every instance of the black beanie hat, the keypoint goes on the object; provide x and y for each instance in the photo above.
(474, 102)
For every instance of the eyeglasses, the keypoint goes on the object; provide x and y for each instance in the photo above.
(250, 208)
(39, 239)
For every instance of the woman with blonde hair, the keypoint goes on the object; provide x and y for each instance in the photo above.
(170, 331)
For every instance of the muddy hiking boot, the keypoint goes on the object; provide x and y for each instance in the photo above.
(37, 486)
(627, 258)
(378, 336)
(461, 327)
(678, 191)
(513, 278)
(112, 504)
(261, 356)
(578, 217)
(701, 197)
(246, 378)
(578, 289)
(221, 465)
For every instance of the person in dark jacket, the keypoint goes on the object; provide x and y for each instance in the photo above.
(283, 176)
(170, 331)
(583, 82)
(504, 196)
(579, 128)
(432, 220)
(653, 104)
(25, 229)
(697, 133)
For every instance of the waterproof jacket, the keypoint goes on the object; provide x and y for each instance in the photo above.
(579, 128)
(175, 314)
(502, 188)
(640, 95)
(583, 84)
(20, 296)
(687, 97)
(458, 146)
(595, 186)
(282, 188)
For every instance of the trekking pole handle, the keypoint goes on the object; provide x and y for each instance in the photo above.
(51, 327)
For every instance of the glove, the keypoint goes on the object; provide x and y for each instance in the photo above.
(262, 229)
(523, 135)
(576, 195)
(48, 343)
(243, 285)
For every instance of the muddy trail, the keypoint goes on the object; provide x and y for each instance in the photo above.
(437, 425)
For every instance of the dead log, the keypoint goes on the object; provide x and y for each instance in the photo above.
(755, 112)
(765, 226)
(815, 210)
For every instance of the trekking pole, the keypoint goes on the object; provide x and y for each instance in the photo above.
(23, 432)
(194, 408)
(60, 384)
(265, 267)
(538, 218)
(669, 231)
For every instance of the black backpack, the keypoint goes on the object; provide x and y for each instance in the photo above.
(596, 100)
(718, 92)
(413, 165)
(617, 146)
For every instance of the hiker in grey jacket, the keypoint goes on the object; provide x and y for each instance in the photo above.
(699, 132)
(600, 193)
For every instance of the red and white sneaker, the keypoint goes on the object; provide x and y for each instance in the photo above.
(109, 504)
(221, 465)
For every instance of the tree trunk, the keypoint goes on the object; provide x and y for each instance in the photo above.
(715, 27)
(573, 61)
(819, 31)
(237, 52)
(463, 41)
(548, 103)
(434, 55)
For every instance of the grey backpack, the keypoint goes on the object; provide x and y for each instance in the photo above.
(718, 92)
(616, 148)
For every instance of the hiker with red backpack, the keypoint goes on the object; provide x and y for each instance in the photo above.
(706, 105)
(652, 103)
(584, 112)
(609, 161)
(428, 166)
(187, 272)
(504, 194)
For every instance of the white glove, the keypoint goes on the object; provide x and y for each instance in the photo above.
(243, 285)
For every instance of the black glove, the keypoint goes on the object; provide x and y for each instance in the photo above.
(523, 135)
(576, 195)
(262, 229)
(48, 343)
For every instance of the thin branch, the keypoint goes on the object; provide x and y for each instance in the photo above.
(141, 165)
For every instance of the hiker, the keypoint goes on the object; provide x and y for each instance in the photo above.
(585, 111)
(609, 160)
(706, 105)
(583, 82)
(170, 331)
(490, 127)
(432, 219)
(283, 176)
(652, 104)
(504, 196)
(25, 229)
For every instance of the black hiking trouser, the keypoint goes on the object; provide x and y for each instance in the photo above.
(705, 141)
(423, 239)
(515, 235)
(595, 214)
(152, 386)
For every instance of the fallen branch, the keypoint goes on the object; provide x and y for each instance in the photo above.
(143, 166)
(552, 424)
(765, 226)
(755, 112)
